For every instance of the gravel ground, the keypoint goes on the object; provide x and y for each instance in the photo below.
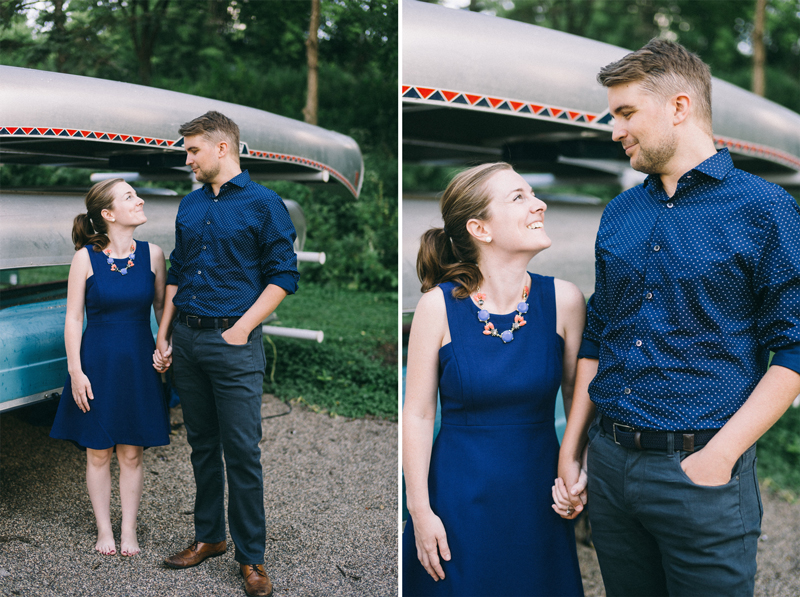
(330, 499)
(778, 552)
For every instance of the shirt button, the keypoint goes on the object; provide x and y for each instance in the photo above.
(638, 343)
(204, 247)
(208, 221)
(194, 297)
(627, 391)
(657, 248)
(670, 205)
(199, 272)
(648, 296)
(215, 200)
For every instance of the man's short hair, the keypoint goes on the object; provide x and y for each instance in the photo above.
(664, 68)
(215, 127)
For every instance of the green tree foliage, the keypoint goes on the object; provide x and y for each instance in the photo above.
(250, 52)
(718, 31)
(358, 236)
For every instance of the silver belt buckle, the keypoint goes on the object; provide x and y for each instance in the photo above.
(622, 427)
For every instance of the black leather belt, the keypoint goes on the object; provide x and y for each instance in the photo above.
(193, 321)
(642, 439)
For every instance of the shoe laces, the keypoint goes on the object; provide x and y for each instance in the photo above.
(193, 546)
(256, 569)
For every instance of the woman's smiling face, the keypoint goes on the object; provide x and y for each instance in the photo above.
(127, 208)
(516, 221)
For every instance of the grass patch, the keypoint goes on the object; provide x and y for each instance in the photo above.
(34, 275)
(353, 373)
(779, 454)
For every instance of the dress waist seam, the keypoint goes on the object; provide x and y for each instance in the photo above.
(532, 424)
(117, 321)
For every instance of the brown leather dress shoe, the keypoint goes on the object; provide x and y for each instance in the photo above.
(256, 581)
(195, 553)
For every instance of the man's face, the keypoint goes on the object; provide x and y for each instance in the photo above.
(643, 124)
(203, 157)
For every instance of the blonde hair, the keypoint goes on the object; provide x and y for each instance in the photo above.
(214, 127)
(664, 68)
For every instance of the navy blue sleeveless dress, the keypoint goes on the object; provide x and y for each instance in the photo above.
(117, 357)
(495, 459)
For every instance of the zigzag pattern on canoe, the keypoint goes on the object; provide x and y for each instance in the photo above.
(177, 144)
(461, 99)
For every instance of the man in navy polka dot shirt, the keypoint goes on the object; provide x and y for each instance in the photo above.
(697, 282)
(233, 263)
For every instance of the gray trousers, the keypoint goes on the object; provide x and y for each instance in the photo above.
(657, 533)
(220, 387)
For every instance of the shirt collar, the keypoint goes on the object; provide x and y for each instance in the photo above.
(241, 180)
(717, 167)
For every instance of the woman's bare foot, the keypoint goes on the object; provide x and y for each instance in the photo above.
(105, 543)
(129, 544)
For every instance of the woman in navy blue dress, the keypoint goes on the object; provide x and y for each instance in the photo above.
(113, 398)
(496, 342)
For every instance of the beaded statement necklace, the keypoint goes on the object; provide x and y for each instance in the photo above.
(519, 321)
(114, 268)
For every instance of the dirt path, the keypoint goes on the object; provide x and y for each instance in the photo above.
(330, 499)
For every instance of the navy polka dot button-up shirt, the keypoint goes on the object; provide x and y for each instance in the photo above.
(692, 292)
(229, 247)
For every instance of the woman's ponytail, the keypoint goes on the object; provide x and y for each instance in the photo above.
(91, 228)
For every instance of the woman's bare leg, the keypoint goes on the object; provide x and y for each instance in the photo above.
(98, 482)
(130, 494)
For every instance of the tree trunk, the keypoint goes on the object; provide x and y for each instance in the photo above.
(312, 55)
(144, 24)
(758, 48)
(59, 35)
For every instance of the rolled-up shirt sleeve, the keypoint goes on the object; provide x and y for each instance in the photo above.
(777, 284)
(278, 261)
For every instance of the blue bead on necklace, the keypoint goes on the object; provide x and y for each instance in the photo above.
(519, 321)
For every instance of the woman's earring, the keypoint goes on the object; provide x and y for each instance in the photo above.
(488, 239)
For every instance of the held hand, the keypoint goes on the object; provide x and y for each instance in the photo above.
(82, 391)
(705, 468)
(565, 504)
(569, 490)
(430, 535)
(235, 336)
(162, 357)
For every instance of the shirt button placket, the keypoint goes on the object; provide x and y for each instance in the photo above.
(205, 240)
